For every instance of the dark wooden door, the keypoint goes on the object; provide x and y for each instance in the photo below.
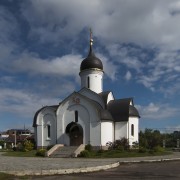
(76, 136)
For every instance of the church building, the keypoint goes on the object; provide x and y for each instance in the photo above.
(88, 116)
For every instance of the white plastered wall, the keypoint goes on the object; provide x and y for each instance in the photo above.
(107, 133)
(45, 117)
(110, 97)
(95, 80)
(135, 137)
(121, 130)
(88, 118)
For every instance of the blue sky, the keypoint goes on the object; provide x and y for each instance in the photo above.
(42, 43)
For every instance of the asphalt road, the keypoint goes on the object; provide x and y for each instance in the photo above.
(157, 170)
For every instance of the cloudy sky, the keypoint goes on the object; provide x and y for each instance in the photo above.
(42, 43)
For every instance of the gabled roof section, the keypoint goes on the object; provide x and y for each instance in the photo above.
(40, 110)
(106, 96)
(119, 109)
(92, 95)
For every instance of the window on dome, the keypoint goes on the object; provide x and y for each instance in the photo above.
(132, 129)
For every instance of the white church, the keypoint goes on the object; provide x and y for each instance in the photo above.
(89, 116)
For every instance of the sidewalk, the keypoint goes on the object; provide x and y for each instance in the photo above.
(49, 166)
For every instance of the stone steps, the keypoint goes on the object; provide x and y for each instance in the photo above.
(65, 151)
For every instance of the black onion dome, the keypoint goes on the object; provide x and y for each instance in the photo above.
(91, 62)
(133, 111)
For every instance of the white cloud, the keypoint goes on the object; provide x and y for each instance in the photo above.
(67, 65)
(110, 69)
(138, 21)
(128, 76)
(22, 103)
(157, 111)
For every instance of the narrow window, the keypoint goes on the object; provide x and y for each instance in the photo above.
(49, 130)
(132, 129)
(88, 82)
(76, 116)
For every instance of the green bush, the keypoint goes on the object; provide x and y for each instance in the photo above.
(120, 148)
(84, 153)
(41, 152)
(88, 147)
(28, 146)
(158, 149)
(120, 144)
(100, 151)
(142, 150)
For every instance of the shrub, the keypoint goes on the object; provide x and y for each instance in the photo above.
(14, 148)
(41, 152)
(84, 153)
(28, 145)
(88, 147)
(158, 149)
(100, 151)
(120, 148)
(135, 145)
(121, 144)
(142, 150)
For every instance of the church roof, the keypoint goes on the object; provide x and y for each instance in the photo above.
(37, 113)
(133, 111)
(106, 115)
(104, 96)
(91, 62)
(121, 109)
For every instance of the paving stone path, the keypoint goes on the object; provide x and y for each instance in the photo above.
(36, 164)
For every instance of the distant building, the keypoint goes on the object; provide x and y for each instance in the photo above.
(12, 137)
(89, 116)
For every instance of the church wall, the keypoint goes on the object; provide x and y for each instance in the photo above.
(107, 133)
(46, 118)
(135, 122)
(110, 97)
(87, 118)
(121, 129)
(95, 137)
(95, 82)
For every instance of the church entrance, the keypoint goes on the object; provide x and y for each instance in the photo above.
(75, 132)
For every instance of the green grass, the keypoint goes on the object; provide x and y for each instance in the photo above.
(95, 154)
(5, 176)
(124, 154)
(20, 153)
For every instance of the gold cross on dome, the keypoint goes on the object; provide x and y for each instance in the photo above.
(91, 39)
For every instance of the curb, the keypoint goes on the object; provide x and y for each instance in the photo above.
(62, 171)
(149, 161)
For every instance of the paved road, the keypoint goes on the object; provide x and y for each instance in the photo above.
(36, 165)
(155, 171)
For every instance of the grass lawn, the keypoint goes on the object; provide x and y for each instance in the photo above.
(6, 176)
(123, 154)
(20, 153)
(95, 154)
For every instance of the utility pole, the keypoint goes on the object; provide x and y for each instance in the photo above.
(15, 138)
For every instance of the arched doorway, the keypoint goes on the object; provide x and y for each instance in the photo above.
(75, 132)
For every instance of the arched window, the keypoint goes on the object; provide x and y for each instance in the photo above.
(132, 129)
(88, 82)
(76, 116)
(49, 131)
